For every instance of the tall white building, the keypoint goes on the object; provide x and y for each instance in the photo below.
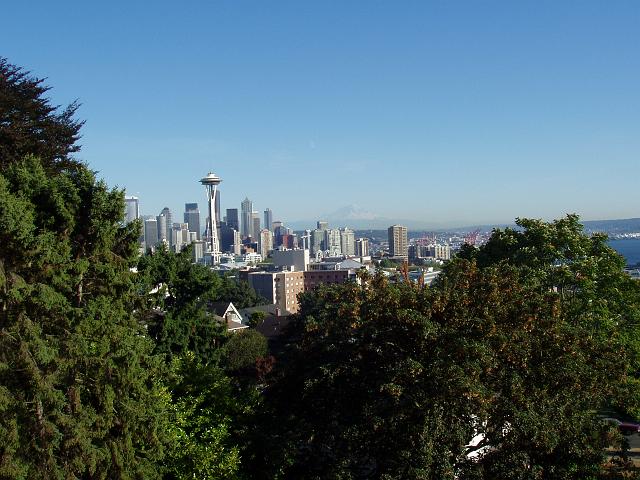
(348, 242)
(132, 211)
(332, 242)
(168, 223)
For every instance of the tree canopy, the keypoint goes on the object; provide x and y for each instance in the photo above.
(31, 125)
(494, 372)
(77, 377)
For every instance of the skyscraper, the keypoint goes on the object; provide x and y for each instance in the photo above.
(332, 242)
(347, 242)
(398, 243)
(362, 247)
(255, 225)
(317, 241)
(192, 218)
(232, 218)
(150, 233)
(162, 229)
(211, 182)
(268, 218)
(322, 225)
(169, 224)
(246, 209)
(266, 242)
(132, 211)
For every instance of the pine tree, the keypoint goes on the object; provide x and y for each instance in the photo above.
(80, 395)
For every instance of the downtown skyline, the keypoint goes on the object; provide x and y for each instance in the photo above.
(438, 113)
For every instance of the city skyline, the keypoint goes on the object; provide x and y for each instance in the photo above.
(457, 113)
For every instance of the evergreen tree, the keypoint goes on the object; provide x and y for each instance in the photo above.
(30, 125)
(79, 395)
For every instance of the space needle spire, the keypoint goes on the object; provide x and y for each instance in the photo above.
(211, 182)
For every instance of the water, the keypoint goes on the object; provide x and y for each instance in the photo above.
(629, 248)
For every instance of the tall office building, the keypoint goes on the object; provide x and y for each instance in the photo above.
(255, 225)
(322, 225)
(232, 218)
(132, 211)
(179, 236)
(211, 182)
(150, 233)
(266, 242)
(362, 247)
(348, 242)
(246, 210)
(317, 241)
(398, 242)
(332, 242)
(237, 242)
(268, 218)
(162, 229)
(192, 218)
(169, 224)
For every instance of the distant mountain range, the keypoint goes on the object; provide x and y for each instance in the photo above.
(357, 218)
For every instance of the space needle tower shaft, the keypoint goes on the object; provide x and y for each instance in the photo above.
(211, 182)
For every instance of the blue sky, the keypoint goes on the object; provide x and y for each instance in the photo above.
(443, 112)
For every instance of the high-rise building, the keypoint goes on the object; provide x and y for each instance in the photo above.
(162, 229)
(192, 218)
(362, 247)
(266, 242)
(398, 242)
(268, 218)
(255, 225)
(179, 236)
(169, 224)
(322, 225)
(246, 210)
(232, 218)
(150, 233)
(211, 182)
(317, 241)
(237, 242)
(332, 242)
(132, 211)
(347, 242)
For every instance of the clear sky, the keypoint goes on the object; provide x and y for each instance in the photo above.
(451, 112)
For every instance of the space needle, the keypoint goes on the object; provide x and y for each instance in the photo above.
(211, 182)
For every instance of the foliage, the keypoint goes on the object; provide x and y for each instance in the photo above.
(176, 310)
(243, 349)
(587, 274)
(79, 392)
(394, 381)
(256, 318)
(204, 411)
(30, 125)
